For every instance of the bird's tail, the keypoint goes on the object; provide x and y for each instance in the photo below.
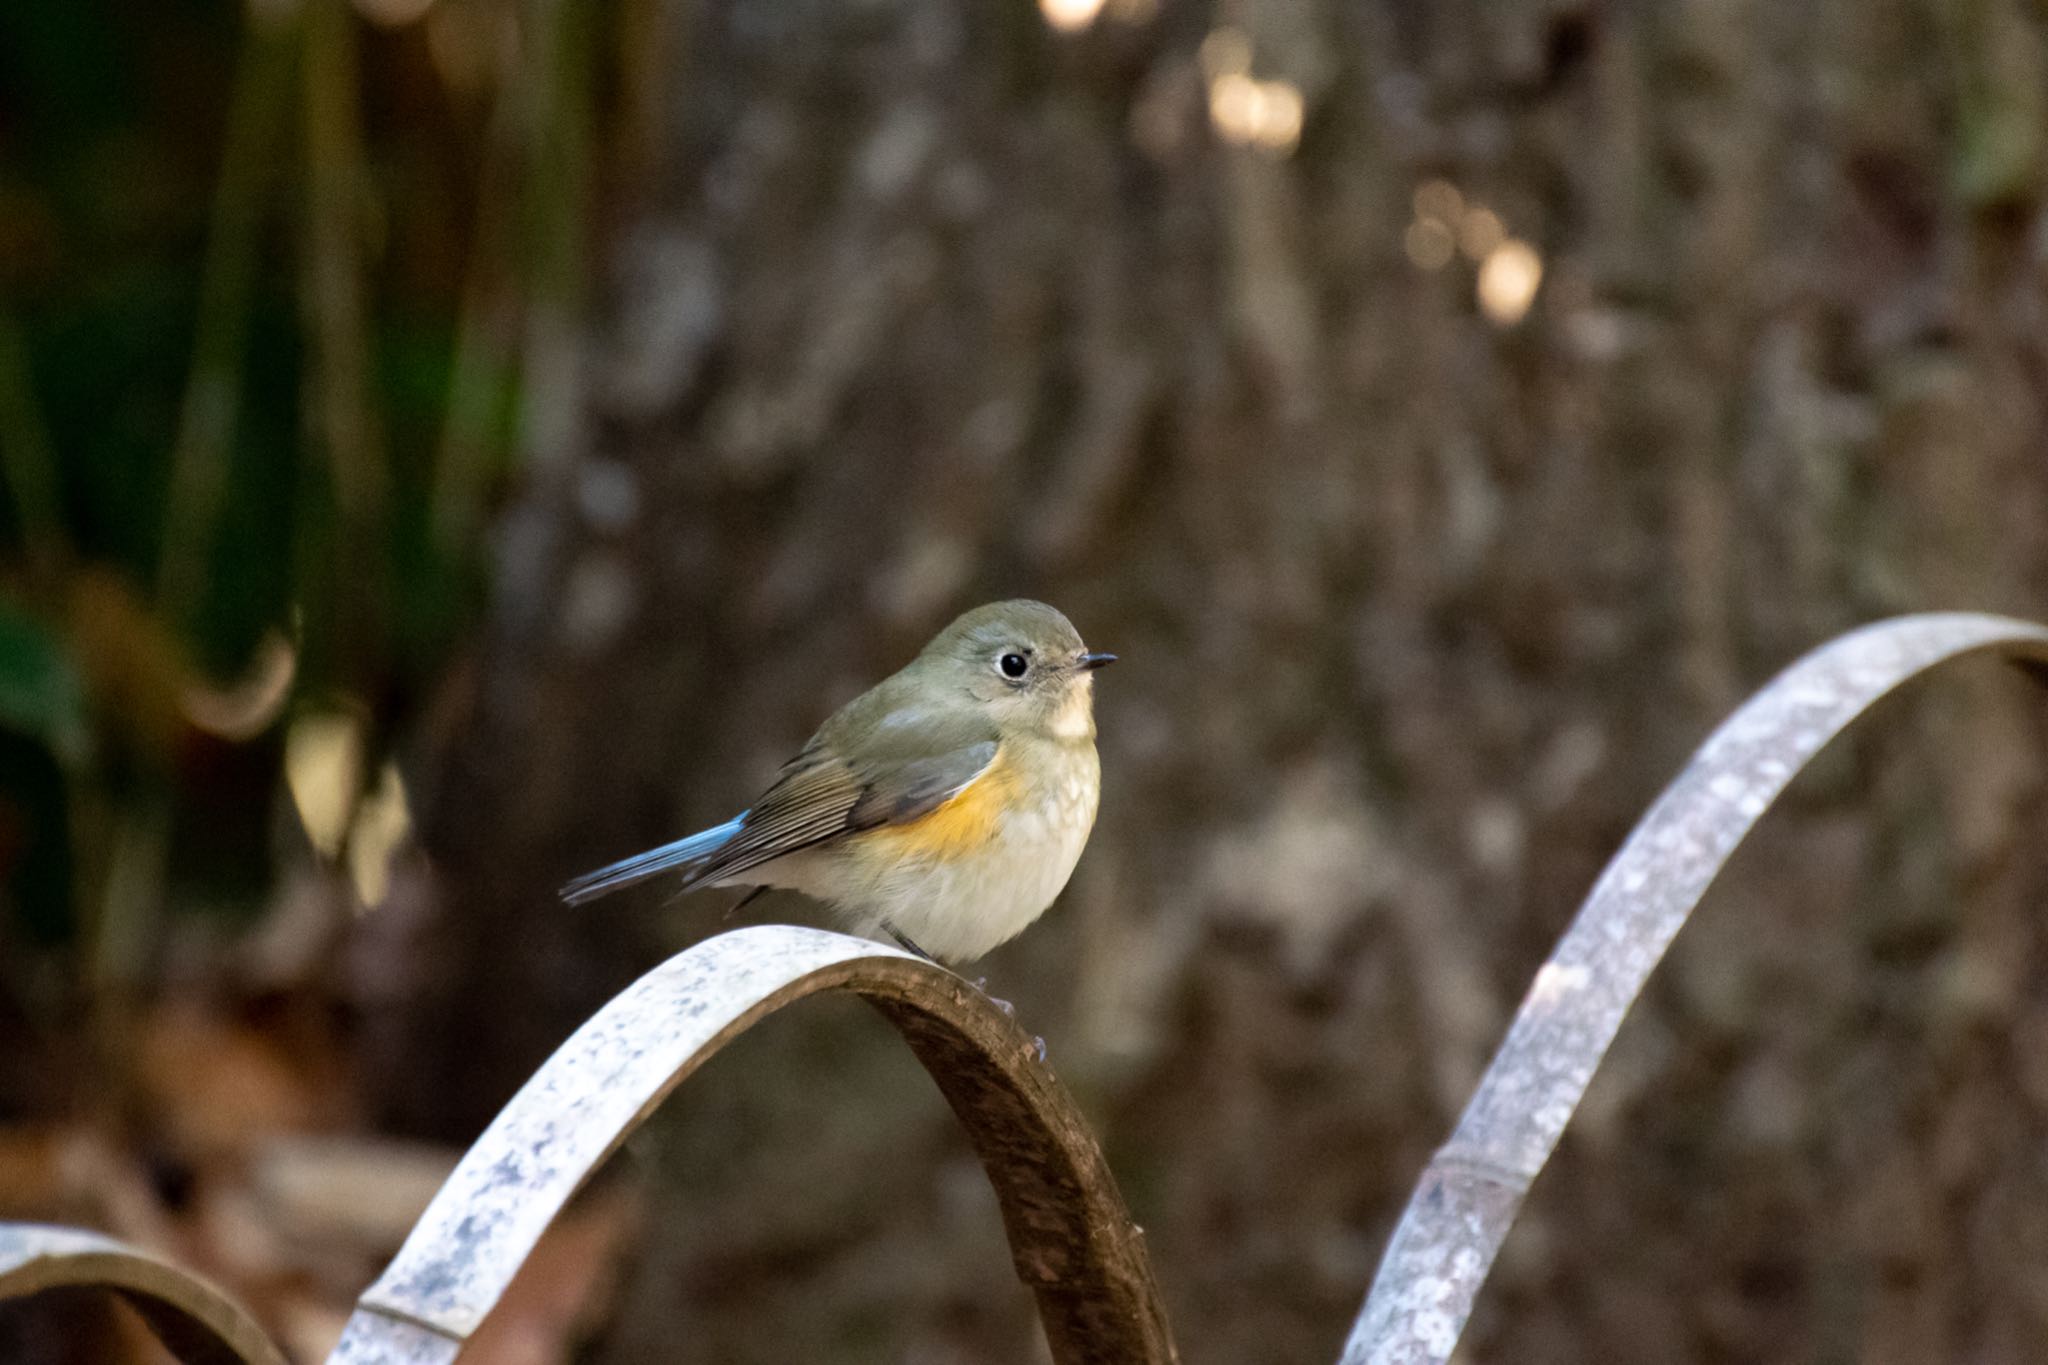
(653, 862)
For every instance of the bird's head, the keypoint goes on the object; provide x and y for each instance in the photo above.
(1025, 662)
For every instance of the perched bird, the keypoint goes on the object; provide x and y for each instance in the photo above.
(945, 806)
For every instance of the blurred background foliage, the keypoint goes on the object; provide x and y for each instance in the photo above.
(446, 444)
(268, 284)
(272, 281)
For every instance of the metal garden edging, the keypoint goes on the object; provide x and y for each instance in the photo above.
(199, 1324)
(1072, 1241)
(1471, 1191)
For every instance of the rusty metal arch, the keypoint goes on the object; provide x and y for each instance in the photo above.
(1071, 1239)
(199, 1324)
(1471, 1191)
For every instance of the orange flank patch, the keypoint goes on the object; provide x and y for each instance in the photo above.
(963, 825)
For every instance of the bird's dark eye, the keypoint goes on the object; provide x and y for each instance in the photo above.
(1013, 665)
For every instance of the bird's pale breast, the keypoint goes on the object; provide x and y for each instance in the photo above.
(980, 868)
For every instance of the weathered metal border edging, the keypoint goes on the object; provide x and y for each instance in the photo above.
(1470, 1193)
(199, 1324)
(1071, 1239)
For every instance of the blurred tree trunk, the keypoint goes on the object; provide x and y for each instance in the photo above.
(915, 304)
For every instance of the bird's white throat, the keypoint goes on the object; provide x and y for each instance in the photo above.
(1076, 717)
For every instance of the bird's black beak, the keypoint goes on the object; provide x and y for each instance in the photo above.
(1093, 661)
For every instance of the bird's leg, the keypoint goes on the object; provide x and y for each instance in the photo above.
(909, 943)
(980, 982)
(743, 901)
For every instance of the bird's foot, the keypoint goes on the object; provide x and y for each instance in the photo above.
(981, 984)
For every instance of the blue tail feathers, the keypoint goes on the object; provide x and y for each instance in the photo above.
(652, 863)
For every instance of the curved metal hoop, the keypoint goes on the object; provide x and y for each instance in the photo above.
(199, 1324)
(1468, 1197)
(1071, 1239)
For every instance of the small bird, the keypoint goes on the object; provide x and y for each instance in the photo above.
(946, 806)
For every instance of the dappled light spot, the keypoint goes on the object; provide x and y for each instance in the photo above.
(1256, 113)
(1508, 281)
(1247, 111)
(383, 819)
(1429, 244)
(1447, 222)
(323, 763)
(1226, 52)
(1479, 232)
(1439, 201)
(1070, 16)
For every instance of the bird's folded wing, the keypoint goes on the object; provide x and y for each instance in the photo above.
(820, 796)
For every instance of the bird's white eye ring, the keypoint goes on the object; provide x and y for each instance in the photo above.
(1013, 664)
